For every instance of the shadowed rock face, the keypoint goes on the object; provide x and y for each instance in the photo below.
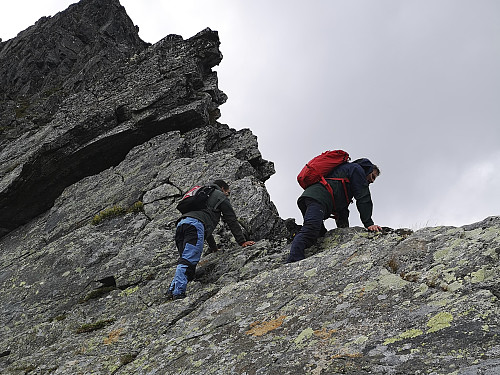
(88, 197)
(67, 116)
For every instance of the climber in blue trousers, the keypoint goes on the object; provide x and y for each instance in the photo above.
(196, 226)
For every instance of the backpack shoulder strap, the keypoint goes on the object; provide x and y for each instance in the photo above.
(330, 190)
(215, 199)
(344, 181)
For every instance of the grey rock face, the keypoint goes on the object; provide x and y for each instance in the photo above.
(58, 56)
(88, 215)
(121, 103)
(389, 303)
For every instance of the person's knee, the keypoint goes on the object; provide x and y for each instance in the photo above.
(190, 272)
(312, 228)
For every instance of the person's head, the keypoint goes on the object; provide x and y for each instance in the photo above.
(373, 174)
(371, 170)
(223, 185)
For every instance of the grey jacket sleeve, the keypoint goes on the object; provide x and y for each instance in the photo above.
(229, 217)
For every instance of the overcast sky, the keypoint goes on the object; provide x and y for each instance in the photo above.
(414, 85)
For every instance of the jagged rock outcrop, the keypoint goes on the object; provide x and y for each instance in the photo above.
(59, 56)
(89, 179)
(109, 103)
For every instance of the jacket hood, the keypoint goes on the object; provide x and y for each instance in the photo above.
(366, 164)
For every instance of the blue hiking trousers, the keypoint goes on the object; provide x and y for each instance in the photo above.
(313, 213)
(189, 237)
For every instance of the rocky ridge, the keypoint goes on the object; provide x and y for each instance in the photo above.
(95, 151)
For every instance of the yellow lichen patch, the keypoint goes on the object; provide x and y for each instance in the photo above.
(324, 333)
(259, 328)
(129, 291)
(491, 252)
(360, 340)
(440, 299)
(304, 335)
(454, 286)
(422, 288)
(439, 321)
(113, 336)
(411, 333)
(483, 274)
(348, 289)
(390, 281)
(446, 253)
(404, 335)
(312, 272)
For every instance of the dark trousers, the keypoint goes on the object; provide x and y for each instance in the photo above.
(314, 214)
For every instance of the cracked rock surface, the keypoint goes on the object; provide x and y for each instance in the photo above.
(89, 180)
(118, 94)
(392, 303)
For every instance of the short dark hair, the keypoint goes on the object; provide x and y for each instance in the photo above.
(376, 169)
(222, 184)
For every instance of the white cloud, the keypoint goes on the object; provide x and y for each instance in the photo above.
(472, 195)
(18, 15)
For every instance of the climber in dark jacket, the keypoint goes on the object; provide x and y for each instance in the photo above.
(316, 204)
(196, 226)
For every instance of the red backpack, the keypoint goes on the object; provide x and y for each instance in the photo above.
(315, 170)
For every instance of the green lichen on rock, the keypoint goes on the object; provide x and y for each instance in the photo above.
(129, 291)
(304, 335)
(390, 280)
(363, 313)
(310, 273)
(483, 274)
(411, 333)
(117, 211)
(97, 293)
(108, 213)
(90, 327)
(439, 321)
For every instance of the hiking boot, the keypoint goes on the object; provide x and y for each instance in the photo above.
(178, 296)
(173, 297)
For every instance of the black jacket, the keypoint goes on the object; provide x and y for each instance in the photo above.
(218, 204)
